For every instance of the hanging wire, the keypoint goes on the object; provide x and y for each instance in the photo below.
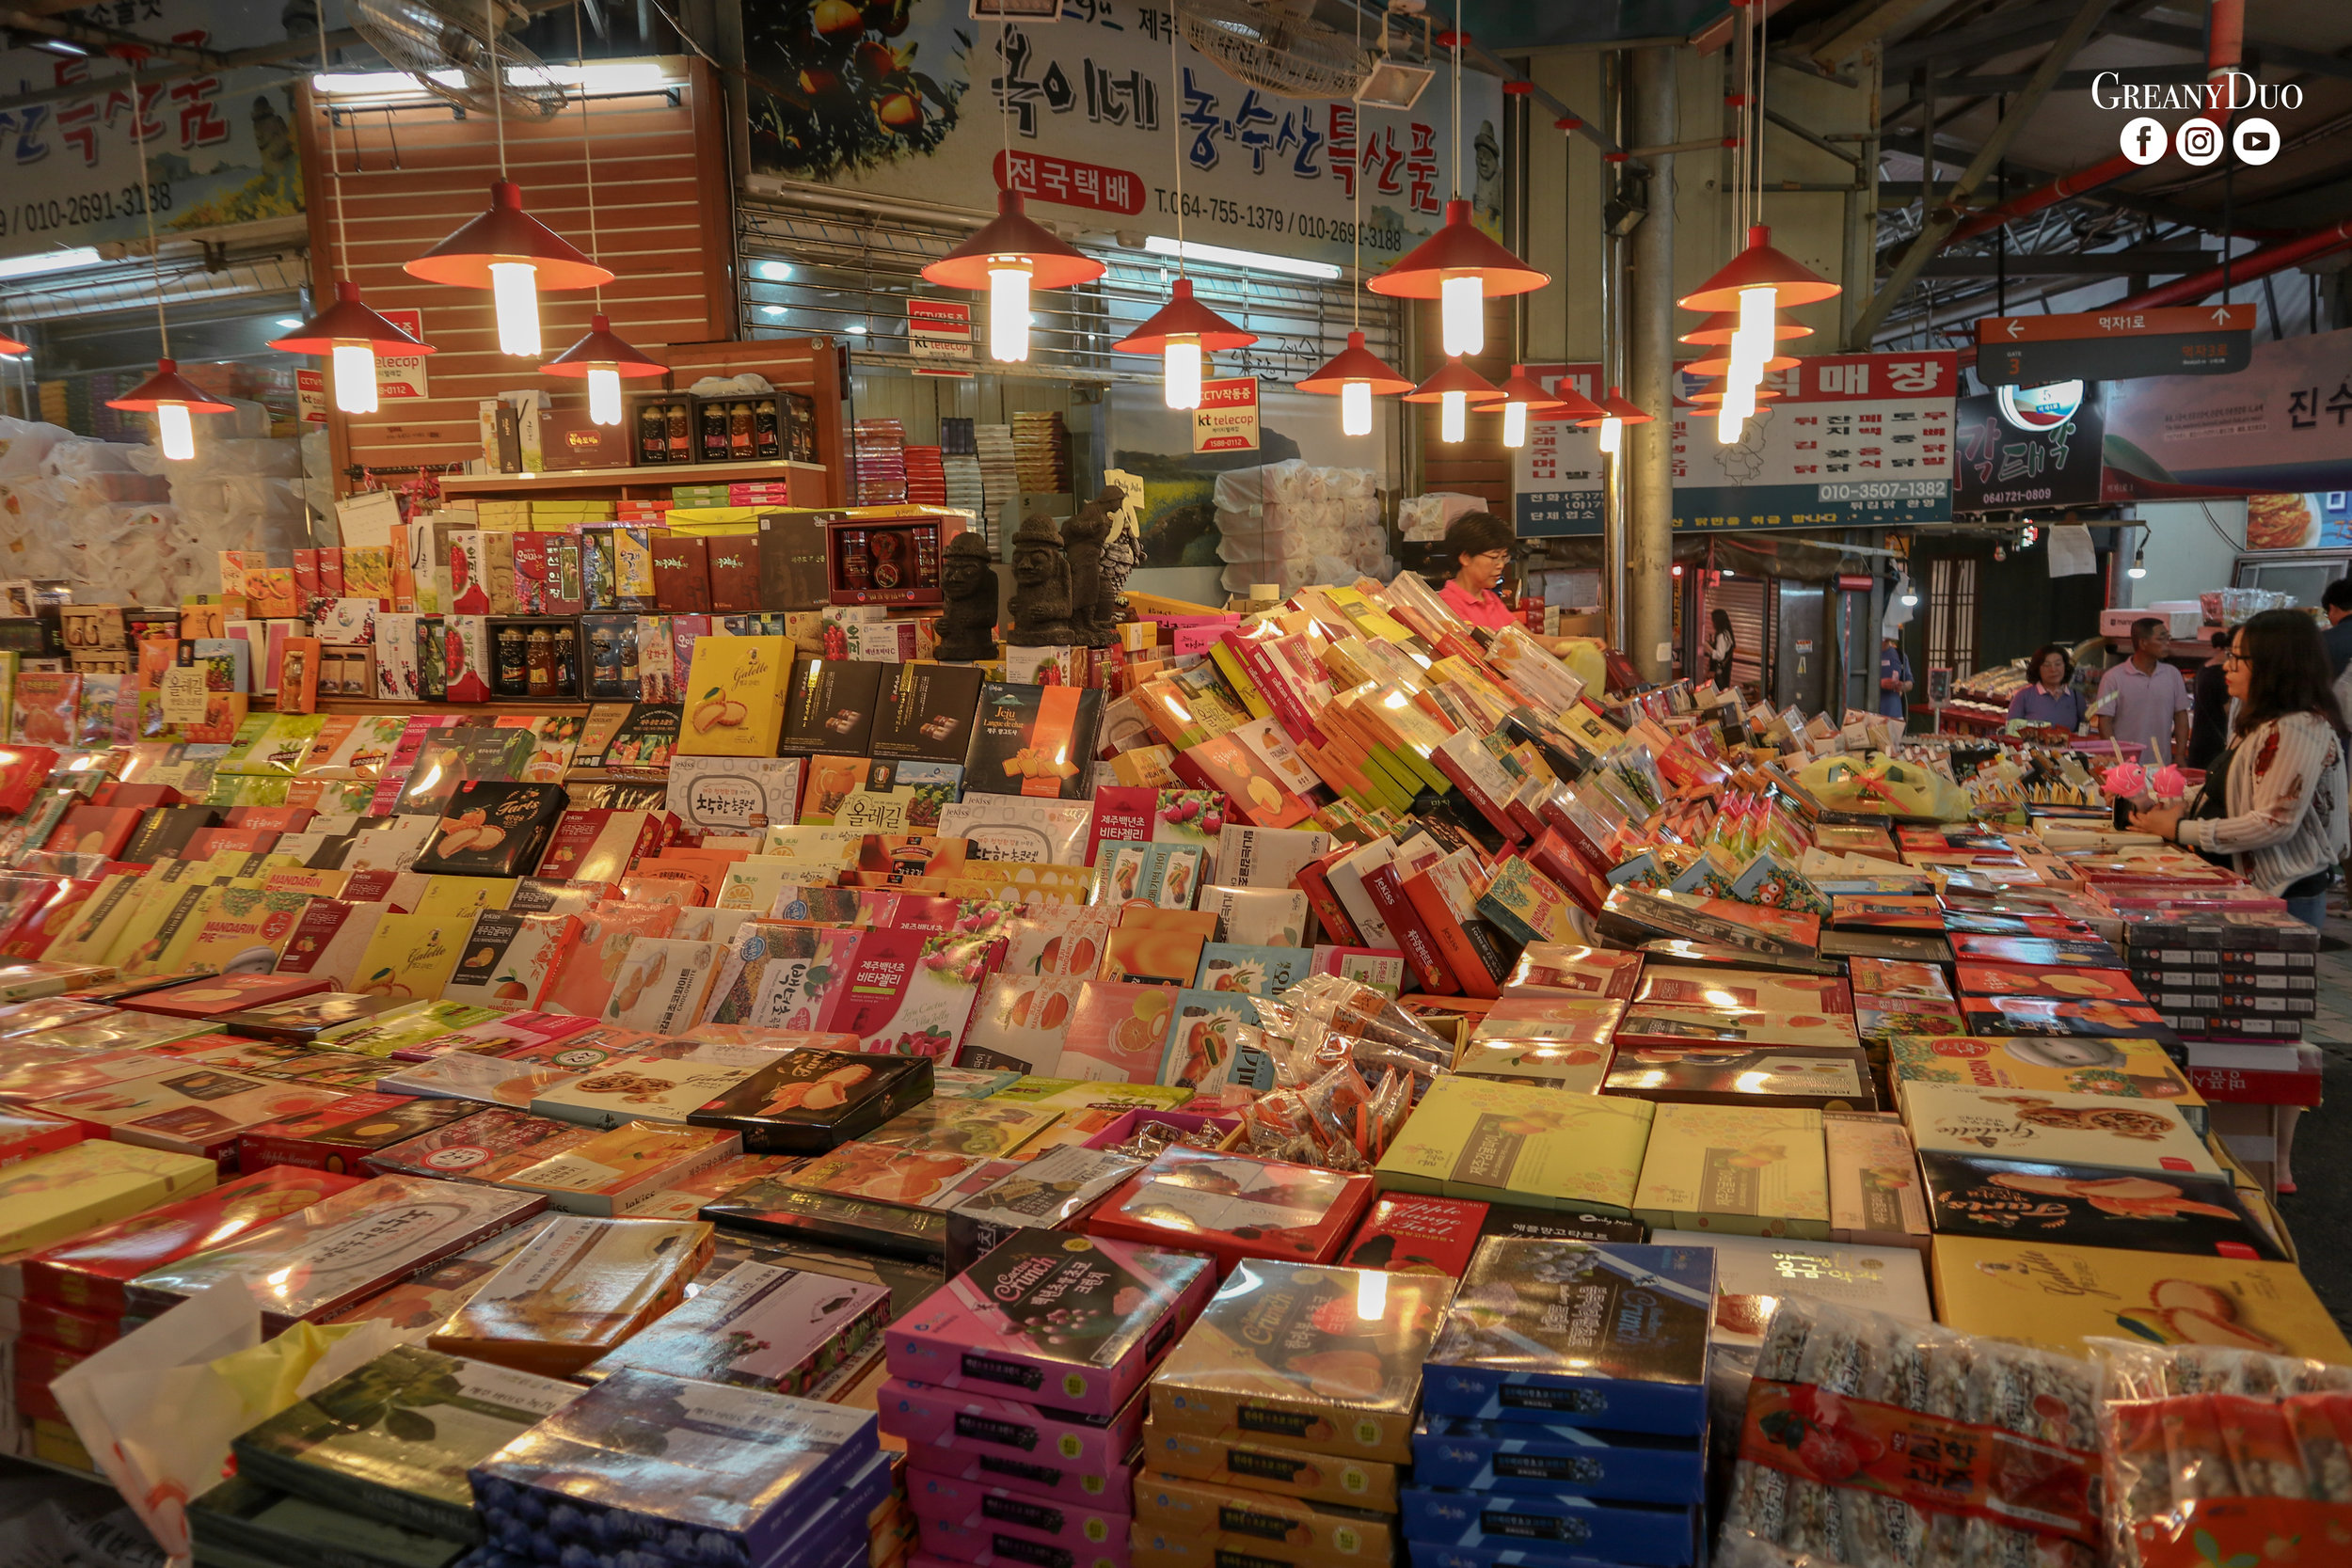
(334, 151)
(1355, 187)
(1457, 100)
(498, 84)
(587, 142)
(146, 201)
(1176, 138)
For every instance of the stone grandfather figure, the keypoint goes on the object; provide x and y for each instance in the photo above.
(1040, 595)
(1082, 539)
(967, 622)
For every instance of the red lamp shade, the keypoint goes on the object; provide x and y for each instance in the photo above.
(1522, 387)
(1569, 404)
(1719, 363)
(1760, 266)
(1183, 316)
(1719, 327)
(1013, 233)
(1458, 249)
(1455, 377)
(9, 345)
(1615, 406)
(169, 386)
(1355, 363)
(347, 321)
(507, 233)
(602, 346)
(1715, 394)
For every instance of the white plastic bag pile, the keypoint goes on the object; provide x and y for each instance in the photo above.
(1295, 524)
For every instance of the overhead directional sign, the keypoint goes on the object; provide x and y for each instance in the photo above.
(2115, 345)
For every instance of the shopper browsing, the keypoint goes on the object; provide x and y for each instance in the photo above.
(2143, 698)
(2051, 698)
(2273, 807)
(1894, 677)
(1720, 649)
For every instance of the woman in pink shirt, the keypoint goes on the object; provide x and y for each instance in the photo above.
(1478, 546)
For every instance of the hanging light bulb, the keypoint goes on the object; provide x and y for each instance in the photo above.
(1523, 395)
(1358, 375)
(1612, 434)
(171, 398)
(1180, 372)
(1462, 313)
(1729, 421)
(1910, 595)
(355, 377)
(2138, 567)
(1454, 388)
(1612, 413)
(604, 358)
(352, 336)
(1752, 345)
(1011, 255)
(514, 290)
(1183, 333)
(1007, 310)
(512, 255)
(175, 432)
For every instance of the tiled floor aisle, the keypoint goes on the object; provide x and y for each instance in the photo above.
(2319, 1215)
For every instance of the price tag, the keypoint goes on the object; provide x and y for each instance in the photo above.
(183, 695)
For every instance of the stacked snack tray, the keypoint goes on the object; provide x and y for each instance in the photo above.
(1844, 1403)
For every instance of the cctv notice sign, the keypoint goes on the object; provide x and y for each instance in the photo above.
(402, 376)
(2115, 345)
(1227, 420)
(940, 329)
(1853, 440)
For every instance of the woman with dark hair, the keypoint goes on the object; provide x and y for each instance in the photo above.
(1720, 649)
(1477, 551)
(2051, 698)
(2209, 708)
(2274, 804)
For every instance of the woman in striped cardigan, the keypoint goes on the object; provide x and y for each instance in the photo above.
(2275, 804)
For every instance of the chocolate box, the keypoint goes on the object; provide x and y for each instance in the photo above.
(1818, 1077)
(575, 1293)
(1235, 1206)
(1223, 1520)
(337, 1135)
(1242, 1460)
(1575, 1334)
(1553, 1459)
(1058, 1452)
(768, 1205)
(482, 1147)
(1307, 1355)
(759, 1326)
(809, 1101)
(620, 1170)
(1595, 1531)
(2146, 1212)
(1071, 1322)
(964, 1518)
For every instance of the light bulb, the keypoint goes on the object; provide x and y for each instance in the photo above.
(2138, 567)
(354, 378)
(174, 433)
(1515, 423)
(604, 394)
(1739, 400)
(515, 287)
(1180, 372)
(1728, 421)
(1451, 408)
(1910, 596)
(1612, 433)
(1462, 313)
(1356, 408)
(1755, 313)
(1008, 308)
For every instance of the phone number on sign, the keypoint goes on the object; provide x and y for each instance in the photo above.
(1887, 489)
(71, 212)
(1282, 220)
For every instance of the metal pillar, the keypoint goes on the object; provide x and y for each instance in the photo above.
(1649, 354)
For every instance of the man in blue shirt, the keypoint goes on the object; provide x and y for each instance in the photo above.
(1894, 678)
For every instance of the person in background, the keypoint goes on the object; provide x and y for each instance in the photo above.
(1720, 647)
(2274, 806)
(2143, 698)
(2209, 717)
(1894, 677)
(1477, 550)
(2337, 602)
(2052, 698)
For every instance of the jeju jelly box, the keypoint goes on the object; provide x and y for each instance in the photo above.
(964, 1518)
(979, 1437)
(1256, 1467)
(1525, 1457)
(1071, 1322)
(1606, 1533)
(1199, 1517)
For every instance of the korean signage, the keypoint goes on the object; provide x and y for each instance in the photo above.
(1083, 116)
(2283, 425)
(220, 148)
(940, 330)
(402, 375)
(2037, 445)
(1227, 420)
(1855, 440)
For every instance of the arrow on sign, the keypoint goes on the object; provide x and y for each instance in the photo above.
(2222, 315)
(2016, 328)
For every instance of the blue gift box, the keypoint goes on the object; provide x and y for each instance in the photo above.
(1606, 1335)
(1571, 1527)
(1522, 1457)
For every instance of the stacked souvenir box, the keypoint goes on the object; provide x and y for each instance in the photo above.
(2223, 975)
(1283, 1423)
(1017, 1388)
(1567, 1408)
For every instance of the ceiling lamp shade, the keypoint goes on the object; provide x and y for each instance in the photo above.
(603, 356)
(1614, 406)
(1719, 328)
(1523, 395)
(1012, 234)
(171, 398)
(1715, 394)
(1454, 388)
(1760, 266)
(1460, 268)
(1184, 318)
(507, 234)
(1720, 361)
(346, 322)
(9, 345)
(1356, 375)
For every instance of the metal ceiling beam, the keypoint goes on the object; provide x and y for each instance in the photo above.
(1858, 26)
(1940, 223)
(2153, 206)
(2002, 32)
(2091, 263)
(2272, 52)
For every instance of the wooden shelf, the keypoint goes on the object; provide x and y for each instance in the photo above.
(806, 478)
(532, 705)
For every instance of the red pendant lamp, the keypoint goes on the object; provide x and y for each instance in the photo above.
(603, 356)
(1712, 395)
(1009, 256)
(169, 395)
(1454, 388)
(1523, 398)
(1570, 406)
(1723, 326)
(1356, 375)
(9, 345)
(1760, 266)
(1183, 333)
(1615, 414)
(1718, 362)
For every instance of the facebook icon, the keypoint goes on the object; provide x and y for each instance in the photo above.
(2145, 140)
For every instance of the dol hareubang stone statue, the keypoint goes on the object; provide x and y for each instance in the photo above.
(1040, 595)
(967, 622)
(1082, 539)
